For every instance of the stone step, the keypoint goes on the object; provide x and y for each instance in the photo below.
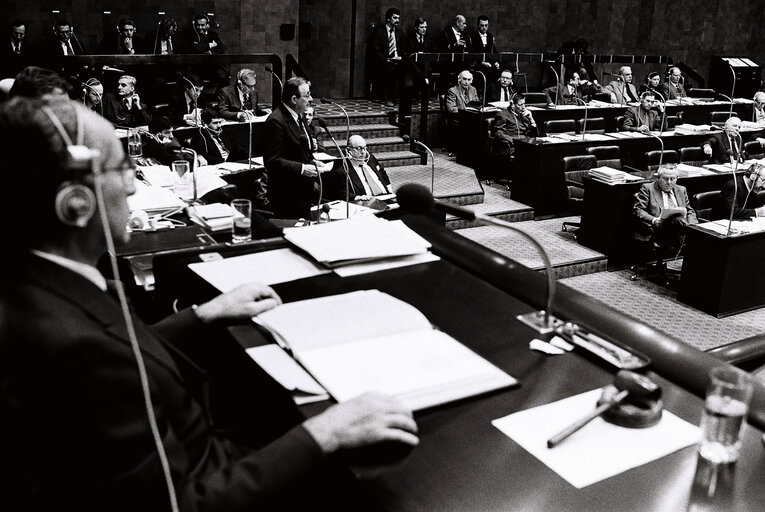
(452, 181)
(496, 203)
(355, 119)
(397, 158)
(365, 130)
(378, 144)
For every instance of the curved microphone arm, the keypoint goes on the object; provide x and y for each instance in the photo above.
(682, 80)
(196, 105)
(663, 112)
(281, 85)
(584, 124)
(347, 119)
(557, 83)
(432, 165)
(734, 168)
(661, 155)
(733, 89)
(730, 99)
(100, 97)
(344, 160)
(483, 103)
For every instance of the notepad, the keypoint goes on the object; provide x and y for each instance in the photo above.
(367, 340)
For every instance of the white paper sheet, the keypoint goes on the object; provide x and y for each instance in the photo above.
(287, 372)
(600, 449)
(268, 267)
(376, 266)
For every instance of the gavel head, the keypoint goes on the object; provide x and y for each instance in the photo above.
(642, 390)
(641, 408)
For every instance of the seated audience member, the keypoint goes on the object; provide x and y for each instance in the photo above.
(568, 94)
(17, 51)
(93, 95)
(367, 176)
(513, 123)
(238, 102)
(314, 131)
(741, 197)
(652, 199)
(35, 82)
(186, 103)
(461, 95)
(202, 40)
(727, 145)
(672, 89)
(644, 118)
(64, 41)
(622, 90)
(164, 39)
(160, 145)
(68, 362)
(122, 42)
(207, 141)
(125, 109)
(652, 82)
(758, 108)
(502, 89)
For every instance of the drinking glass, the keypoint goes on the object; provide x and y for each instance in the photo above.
(135, 148)
(241, 230)
(727, 402)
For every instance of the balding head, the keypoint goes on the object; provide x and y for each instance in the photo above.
(732, 125)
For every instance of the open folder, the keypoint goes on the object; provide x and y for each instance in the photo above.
(370, 341)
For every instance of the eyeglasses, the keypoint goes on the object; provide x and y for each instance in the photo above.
(360, 148)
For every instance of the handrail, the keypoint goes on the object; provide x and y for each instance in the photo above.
(96, 61)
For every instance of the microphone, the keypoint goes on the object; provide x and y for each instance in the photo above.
(325, 101)
(116, 70)
(663, 112)
(661, 155)
(281, 86)
(557, 84)
(584, 124)
(407, 138)
(483, 103)
(197, 121)
(730, 113)
(325, 209)
(734, 168)
(416, 199)
(323, 125)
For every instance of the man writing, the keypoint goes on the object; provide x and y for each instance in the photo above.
(72, 394)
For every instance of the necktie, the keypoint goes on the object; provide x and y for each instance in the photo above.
(169, 45)
(419, 39)
(69, 48)
(391, 44)
(671, 202)
(373, 186)
(17, 48)
(247, 103)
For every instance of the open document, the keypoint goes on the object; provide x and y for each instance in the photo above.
(370, 341)
(673, 213)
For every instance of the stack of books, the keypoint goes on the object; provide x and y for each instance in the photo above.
(610, 175)
(215, 217)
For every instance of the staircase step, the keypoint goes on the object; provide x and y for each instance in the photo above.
(496, 203)
(380, 144)
(398, 158)
(452, 181)
(355, 119)
(379, 130)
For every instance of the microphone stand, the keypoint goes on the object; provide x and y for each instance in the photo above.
(247, 114)
(432, 165)
(663, 113)
(483, 103)
(680, 96)
(281, 86)
(584, 124)
(734, 168)
(557, 83)
(344, 159)
(347, 119)
(733, 89)
(661, 155)
(730, 113)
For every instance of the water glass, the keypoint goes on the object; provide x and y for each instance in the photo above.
(241, 230)
(135, 148)
(727, 402)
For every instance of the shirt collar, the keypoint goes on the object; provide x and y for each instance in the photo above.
(88, 272)
(292, 113)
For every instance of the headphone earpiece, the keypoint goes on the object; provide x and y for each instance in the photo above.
(75, 204)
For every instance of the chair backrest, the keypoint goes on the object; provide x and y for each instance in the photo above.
(652, 158)
(754, 149)
(702, 93)
(718, 118)
(693, 156)
(560, 126)
(594, 125)
(576, 167)
(606, 156)
(708, 205)
(535, 99)
(672, 121)
(619, 122)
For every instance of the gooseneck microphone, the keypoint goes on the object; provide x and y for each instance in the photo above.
(584, 124)
(734, 167)
(323, 124)
(483, 103)
(325, 101)
(730, 99)
(557, 83)
(663, 112)
(661, 155)
(407, 138)
(416, 199)
(281, 86)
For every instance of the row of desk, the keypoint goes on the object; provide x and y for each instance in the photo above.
(463, 463)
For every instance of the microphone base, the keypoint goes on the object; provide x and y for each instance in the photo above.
(536, 320)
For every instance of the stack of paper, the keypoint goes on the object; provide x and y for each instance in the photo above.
(153, 199)
(370, 341)
(610, 175)
(691, 129)
(686, 171)
(215, 216)
(357, 240)
(158, 175)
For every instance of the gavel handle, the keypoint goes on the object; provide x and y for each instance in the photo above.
(557, 438)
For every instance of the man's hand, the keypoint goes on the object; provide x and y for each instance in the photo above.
(643, 129)
(136, 101)
(707, 150)
(241, 303)
(309, 171)
(212, 44)
(367, 419)
(760, 212)
(657, 222)
(362, 198)
(761, 141)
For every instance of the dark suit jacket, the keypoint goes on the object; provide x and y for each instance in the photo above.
(285, 151)
(649, 202)
(163, 153)
(52, 46)
(334, 181)
(447, 42)
(476, 43)
(198, 43)
(12, 62)
(633, 120)
(71, 397)
(115, 111)
(204, 145)
(178, 107)
(494, 91)
(413, 46)
(380, 43)
(673, 92)
(745, 202)
(229, 105)
(508, 126)
(111, 44)
(564, 98)
(722, 150)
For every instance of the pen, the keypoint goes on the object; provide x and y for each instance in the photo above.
(565, 433)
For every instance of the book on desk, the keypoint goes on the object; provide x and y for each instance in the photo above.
(367, 340)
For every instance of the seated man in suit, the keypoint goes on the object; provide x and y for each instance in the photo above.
(672, 89)
(568, 94)
(653, 199)
(64, 41)
(238, 102)
(367, 176)
(458, 98)
(69, 361)
(122, 42)
(622, 90)
(161, 147)
(741, 196)
(207, 140)
(314, 131)
(512, 123)
(125, 109)
(502, 89)
(646, 117)
(728, 145)
(186, 103)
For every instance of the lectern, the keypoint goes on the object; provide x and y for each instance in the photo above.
(747, 74)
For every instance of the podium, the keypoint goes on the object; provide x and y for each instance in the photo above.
(746, 71)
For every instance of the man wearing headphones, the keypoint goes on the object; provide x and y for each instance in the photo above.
(645, 117)
(122, 42)
(202, 40)
(125, 109)
(727, 145)
(512, 123)
(93, 94)
(102, 412)
(741, 197)
(238, 102)
(673, 89)
(63, 42)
